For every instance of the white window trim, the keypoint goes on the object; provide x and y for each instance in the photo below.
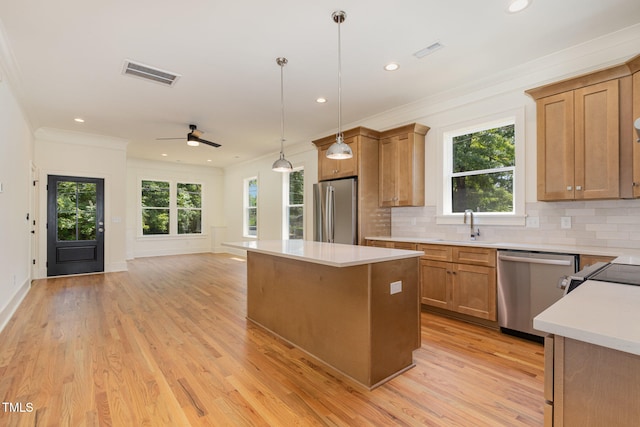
(445, 134)
(245, 208)
(286, 205)
(173, 211)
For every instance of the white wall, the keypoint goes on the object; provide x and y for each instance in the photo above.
(79, 154)
(16, 151)
(270, 186)
(212, 180)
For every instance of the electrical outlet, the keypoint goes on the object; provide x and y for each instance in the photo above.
(565, 222)
(395, 287)
(533, 222)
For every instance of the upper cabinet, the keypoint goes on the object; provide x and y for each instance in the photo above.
(584, 130)
(355, 138)
(401, 170)
(635, 67)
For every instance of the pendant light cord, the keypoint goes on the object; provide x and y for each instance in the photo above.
(282, 107)
(340, 19)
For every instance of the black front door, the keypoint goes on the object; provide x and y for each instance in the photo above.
(75, 225)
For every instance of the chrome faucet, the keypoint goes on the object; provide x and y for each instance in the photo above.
(474, 233)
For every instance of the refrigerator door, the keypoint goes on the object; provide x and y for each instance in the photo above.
(335, 211)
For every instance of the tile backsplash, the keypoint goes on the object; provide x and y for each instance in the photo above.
(602, 223)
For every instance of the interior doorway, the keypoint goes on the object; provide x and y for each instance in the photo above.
(75, 225)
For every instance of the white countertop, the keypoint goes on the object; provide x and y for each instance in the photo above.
(332, 254)
(601, 313)
(568, 249)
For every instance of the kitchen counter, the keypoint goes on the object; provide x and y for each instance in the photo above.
(568, 249)
(331, 254)
(600, 313)
(355, 308)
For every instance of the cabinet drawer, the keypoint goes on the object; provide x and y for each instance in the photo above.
(475, 256)
(436, 252)
(404, 245)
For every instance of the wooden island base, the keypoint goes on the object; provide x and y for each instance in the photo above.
(344, 316)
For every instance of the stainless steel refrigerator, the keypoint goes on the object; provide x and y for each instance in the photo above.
(335, 211)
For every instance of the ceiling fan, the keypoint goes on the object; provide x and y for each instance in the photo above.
(193, 138)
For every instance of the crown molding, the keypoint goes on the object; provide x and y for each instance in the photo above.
(81, 138)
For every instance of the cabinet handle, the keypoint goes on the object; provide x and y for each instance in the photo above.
(569, 188)
(578, 187)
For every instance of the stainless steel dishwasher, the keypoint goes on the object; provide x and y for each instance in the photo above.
(528, 283)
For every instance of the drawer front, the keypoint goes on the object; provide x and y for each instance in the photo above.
(404, 245)
(436, 252)
(475, 256)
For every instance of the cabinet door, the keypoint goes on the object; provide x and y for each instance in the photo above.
(435, 278)
(636, 147)
(404, 171)
(332, 169)
(597, 158)
(555, 129)
(388, 180)
(474, 291)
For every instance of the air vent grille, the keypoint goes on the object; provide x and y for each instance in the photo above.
(135, 69)
(428, 50)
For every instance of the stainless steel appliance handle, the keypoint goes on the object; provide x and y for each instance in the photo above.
(329, 214)
(534, 260)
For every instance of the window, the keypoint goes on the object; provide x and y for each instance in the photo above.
(251, 207)
(483, 166)
(189, 208)
(155, 207)
(168, 207)
(294, 205)
(483, 170)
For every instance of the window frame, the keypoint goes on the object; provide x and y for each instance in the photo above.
(446, 135)
(246, 208)
(178, 209)
(159, 208)
(286, 206)
(173, 210)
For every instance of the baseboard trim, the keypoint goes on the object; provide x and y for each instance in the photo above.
(8, 311)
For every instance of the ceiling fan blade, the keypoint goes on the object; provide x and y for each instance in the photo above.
(204, 141)
(196, 133)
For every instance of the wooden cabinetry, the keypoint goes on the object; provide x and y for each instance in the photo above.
(585, 135)
(334, 169)
(587, 260)
(373, 220)
(635, 114)
(390, 244)
(578, 143)
(589, 385)
(460, 279)
(401, 170)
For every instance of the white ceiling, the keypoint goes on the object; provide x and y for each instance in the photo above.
(64, 59)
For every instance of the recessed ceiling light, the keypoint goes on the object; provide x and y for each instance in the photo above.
(208, 160)
(516, 6)
(164, 154)
(79, 120)
(392, 66)
(321, 100)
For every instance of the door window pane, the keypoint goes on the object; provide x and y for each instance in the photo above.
(76, 211)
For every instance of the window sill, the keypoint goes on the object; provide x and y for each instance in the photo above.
(171, 237)
(483, 219)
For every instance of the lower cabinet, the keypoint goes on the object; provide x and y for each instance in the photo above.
(589, 385)
(459, 279)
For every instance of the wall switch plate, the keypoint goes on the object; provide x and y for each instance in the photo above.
(533, 222)
(565, 222)
(395, 287)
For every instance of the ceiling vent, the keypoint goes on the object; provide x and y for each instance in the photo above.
(135, 69)
(428, 50)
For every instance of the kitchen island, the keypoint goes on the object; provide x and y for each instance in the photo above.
(355, 308)
(592, 355)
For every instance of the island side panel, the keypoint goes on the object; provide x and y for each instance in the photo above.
(395, 318)
(321, 309)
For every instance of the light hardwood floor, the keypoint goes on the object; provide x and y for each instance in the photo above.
(167, 344)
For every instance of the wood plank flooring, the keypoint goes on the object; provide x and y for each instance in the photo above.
(167, 344)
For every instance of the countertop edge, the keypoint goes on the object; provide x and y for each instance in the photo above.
(398, 254)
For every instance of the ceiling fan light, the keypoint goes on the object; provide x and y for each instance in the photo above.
(339, 150)
(192, 142)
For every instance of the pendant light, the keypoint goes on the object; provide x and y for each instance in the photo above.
(339, 150)
(282, 164)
